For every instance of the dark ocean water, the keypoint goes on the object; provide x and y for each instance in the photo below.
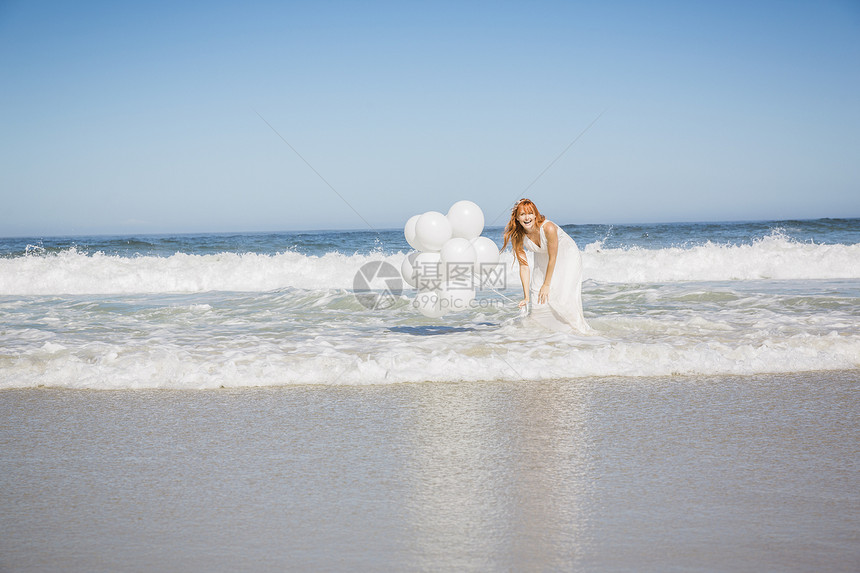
(388, 241)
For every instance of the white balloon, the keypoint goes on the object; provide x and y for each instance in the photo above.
(432, 230)
(486, 262)
(407, 268)
(429, 304)
(454, 298)
(409, 233)
(458, 259)
(467, 220)
(458, 250)
(486, 251)
(427, 271)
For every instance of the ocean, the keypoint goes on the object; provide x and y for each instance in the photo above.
(241, 310)
(275, 402)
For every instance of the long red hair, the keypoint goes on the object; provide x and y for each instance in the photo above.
(515, 233)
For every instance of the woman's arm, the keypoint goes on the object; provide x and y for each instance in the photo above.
(551, 233)
(525, 277)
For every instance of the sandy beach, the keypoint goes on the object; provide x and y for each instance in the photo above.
(611, 474)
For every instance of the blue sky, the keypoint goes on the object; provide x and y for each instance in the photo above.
(143, 117)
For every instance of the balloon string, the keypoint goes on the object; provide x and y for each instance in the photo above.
(507, 298)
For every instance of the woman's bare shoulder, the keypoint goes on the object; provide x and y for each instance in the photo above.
(550, 228)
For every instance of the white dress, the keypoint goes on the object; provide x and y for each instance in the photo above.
(563, 310)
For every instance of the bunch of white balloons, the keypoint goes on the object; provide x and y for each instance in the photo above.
(449, 258)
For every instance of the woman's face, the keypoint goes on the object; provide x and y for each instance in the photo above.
(526, 218)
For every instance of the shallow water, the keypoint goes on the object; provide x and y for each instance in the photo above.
(738, 473)
(214, 339)
(245, 310)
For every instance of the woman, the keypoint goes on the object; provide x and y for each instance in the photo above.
(555, 285)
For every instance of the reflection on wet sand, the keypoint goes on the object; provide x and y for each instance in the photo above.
(496, 476)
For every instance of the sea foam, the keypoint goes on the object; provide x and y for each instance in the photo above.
(455, 358)
(74, 272)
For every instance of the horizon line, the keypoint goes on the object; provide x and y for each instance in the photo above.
(389, 229)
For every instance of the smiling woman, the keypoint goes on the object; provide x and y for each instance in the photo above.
(554, 286)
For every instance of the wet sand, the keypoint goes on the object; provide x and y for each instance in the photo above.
(610, 474)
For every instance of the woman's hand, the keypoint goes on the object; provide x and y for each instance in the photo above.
(543, 294)
(524, 302)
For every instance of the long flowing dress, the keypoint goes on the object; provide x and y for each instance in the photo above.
(563, 310)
